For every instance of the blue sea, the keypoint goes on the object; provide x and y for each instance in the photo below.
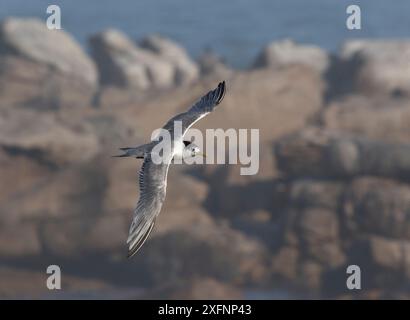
(235, 29)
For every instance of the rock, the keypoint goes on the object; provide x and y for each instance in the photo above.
(384, 119)
(319, 233)
(226, 255)
(186, 70)
(308, 143)
(282, 53)
(379, 206)
(310, 275)
(20, 172)
(390, 254)
(285, 263)
(294, 95)
(43, 68)
(258, 224)
(318, 226)
(390, 261)
(79, 236)
(108, 233)
(19, 240)
(382, 66)
(194, 289)
(210, 64)
(121, 63)
(68, 193)
(26, 283)
(47, 139)
(321, 153)
(316, 193)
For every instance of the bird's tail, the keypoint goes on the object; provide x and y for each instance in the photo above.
(137, 152)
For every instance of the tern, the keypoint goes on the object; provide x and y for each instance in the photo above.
(153, 175)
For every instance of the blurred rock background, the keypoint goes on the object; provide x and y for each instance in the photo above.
(332, 189)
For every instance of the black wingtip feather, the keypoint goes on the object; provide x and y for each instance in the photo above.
(221, 92)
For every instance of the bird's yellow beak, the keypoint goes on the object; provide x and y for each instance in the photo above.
(203, 154)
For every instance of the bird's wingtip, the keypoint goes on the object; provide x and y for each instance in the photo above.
(221, 92)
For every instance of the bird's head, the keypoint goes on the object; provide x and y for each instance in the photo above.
(192, 150)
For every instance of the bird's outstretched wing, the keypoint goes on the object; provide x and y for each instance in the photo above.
(199, 110)
(153, 177)
(153, 183)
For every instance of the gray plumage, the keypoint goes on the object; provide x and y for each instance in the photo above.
(153, 177)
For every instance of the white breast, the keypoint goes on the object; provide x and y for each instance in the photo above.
(179, 149)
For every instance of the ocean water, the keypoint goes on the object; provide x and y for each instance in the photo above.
(235, 29)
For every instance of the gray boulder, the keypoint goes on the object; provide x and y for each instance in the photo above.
(320, 153)
(186, 70)
(43, 67)
(378, 118)
(381, 66)
(379, 206)
(210, 64)
(121, 63)
(47, 139)
(285, 52)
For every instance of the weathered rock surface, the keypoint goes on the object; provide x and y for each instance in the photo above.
(282, 53)
(43, 68)
(46, 137)
(390, 255)
(275, 102)
(328, 196)
(314, 152)
(186, 70)
(381, 66)
(226, 255)
(194, 289)
(121, 63)
(383, 119)
(380, 206)
(210, 64)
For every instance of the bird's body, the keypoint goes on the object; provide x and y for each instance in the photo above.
(153, 174)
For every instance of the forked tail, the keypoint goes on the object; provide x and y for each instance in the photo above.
(137, 152)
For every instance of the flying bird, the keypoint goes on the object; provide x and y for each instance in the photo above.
(153, 176)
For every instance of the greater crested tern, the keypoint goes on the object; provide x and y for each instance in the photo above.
(153, 177)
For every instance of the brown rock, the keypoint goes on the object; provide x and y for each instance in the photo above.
(377, 118)
(19, 172)
(43, 68)
(379, 206)
(225, 254)
(321, 153)
(387, 253)
(316, 193)
(381, 65)
(310, 275)
(285, 263)
(282, 53)
(71, 192)
(186, 70)
(194, 289)
(47, 138)
(319, 235)
(121, 63)
(287, 90)
(19, 240)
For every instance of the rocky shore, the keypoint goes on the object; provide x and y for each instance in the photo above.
(332, 189)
